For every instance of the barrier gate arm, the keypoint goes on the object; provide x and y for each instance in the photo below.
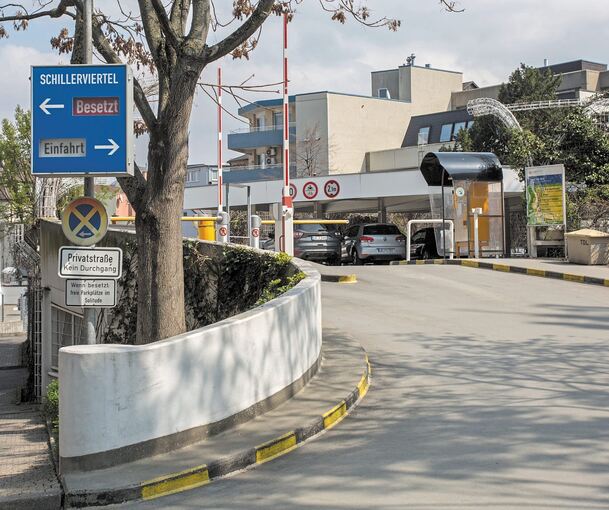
(117, 219)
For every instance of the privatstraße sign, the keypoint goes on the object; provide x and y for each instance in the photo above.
(90, 262)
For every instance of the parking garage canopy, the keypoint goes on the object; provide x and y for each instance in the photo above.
(468, 166)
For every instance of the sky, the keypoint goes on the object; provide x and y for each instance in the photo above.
(486, 41)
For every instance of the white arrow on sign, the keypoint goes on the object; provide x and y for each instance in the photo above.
(44, 106)
(112, 148)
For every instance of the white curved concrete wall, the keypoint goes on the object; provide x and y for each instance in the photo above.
(114, 395)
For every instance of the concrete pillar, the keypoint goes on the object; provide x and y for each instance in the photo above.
(318, 210)
(382, 211)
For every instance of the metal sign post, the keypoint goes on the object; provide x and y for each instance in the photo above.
(286, 234)
(85, 222)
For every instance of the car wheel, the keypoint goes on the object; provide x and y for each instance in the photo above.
(355, 259)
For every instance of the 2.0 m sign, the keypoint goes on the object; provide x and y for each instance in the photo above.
(82, 120)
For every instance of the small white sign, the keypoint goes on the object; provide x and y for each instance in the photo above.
(90, 262)
(91, 293)
(63, 148)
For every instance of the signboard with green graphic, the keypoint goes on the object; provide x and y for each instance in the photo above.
(545, 188)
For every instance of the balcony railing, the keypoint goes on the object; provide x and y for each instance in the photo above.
(258, 129)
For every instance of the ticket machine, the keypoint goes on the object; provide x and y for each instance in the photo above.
(467, 188)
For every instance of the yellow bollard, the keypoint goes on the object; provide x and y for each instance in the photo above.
(207, 229)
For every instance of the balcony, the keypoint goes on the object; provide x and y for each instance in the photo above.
(252, 137)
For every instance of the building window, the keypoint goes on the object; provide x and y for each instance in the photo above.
(213, 175)
(458, 127)
(446, 133)
(66, 329)
(192, 176)
(384, 93)
(470, 124)
(423, 136)
(278, 119)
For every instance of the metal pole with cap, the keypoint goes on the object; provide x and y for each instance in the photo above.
(222, 230)
(287, 209)
(89, 314)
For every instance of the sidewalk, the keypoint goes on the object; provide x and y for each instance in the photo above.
(554, 265)
(341, 382)
(27, 477)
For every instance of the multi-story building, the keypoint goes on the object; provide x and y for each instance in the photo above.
(369, 142)
(331, 132)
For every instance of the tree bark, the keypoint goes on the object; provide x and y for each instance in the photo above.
(159, 231)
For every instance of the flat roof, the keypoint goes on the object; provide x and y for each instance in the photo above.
(418, 67)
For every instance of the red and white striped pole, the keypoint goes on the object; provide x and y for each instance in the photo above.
(287, 232)
(220, 204)
(222, 224)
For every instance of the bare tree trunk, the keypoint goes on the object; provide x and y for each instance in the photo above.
(159, 231)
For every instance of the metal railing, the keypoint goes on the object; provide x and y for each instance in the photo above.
(311, 222)
(257, 129)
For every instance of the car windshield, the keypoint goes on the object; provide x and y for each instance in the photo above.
(381, 230)
(311, 228)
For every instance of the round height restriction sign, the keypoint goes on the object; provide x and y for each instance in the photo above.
(332, 188)
(293, 191)
(309, 190)
(84, 221)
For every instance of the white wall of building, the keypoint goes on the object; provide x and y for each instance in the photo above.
(312, 123)
(402, 158)
(358, 125)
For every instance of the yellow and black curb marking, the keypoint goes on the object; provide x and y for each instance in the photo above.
(505, 268)
(347, 278)
(172, 483)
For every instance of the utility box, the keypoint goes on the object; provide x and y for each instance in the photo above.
(588, 247)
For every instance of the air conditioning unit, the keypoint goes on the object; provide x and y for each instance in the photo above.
(272, 151)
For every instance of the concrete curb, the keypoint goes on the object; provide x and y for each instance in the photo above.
(203, 474)
(506, 268)
(347, 278)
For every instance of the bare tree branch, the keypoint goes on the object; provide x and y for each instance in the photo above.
(134, 187)
(201, 17)
(153, 32)
(174, 40)
(104, 48)
(179, 15)
(241, 34)
(23, 15)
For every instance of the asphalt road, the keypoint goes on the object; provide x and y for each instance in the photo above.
(489, 390)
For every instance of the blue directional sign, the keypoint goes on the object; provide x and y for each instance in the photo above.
(82, 120)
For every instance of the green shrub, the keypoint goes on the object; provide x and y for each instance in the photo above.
(217, 285)
(277, 287)
(51, 403)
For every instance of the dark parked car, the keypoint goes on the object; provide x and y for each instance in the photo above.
(373, 242)
(423, 244)
(314, 242)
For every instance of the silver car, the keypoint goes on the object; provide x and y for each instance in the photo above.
(373, 242)
(313, 241)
